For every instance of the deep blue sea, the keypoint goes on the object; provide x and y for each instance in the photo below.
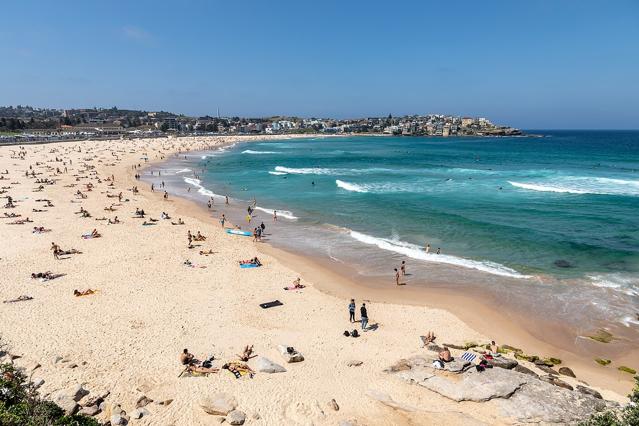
(516, 214)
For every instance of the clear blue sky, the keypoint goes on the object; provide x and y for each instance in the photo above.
(531, 64)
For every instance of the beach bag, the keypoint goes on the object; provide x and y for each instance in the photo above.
(347, 334)
(354, 333)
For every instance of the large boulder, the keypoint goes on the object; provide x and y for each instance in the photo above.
(567, 372)
(265, 365)
(477, 386)
(290, 357)
(68, 405)
(503, 362)
(589, 391)
(219, 404)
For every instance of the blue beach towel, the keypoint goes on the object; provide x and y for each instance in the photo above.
(248, 265)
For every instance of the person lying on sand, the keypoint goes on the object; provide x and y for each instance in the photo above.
(139, 213)
(40, 229)
(206, 253)
(239, 369)
(12, 215)
(78, 293)
(114, 221)
(194, 366)
(445, 356)
(247, 353)
(165, 216)
(179, 222)
(429, 338)
(18, 299)
(297, 285)
(46, 276)
(254, 261)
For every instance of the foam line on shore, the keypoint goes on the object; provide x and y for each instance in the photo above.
(415, 252)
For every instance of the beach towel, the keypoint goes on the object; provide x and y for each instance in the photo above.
(191, 265)
(239, 369)
(238, 232)
(468, 357)
(271, 304)
(87, 236)
(249, 265)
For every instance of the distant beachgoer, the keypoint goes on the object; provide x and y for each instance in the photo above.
(364, 315)
(186, 358)
(222, 220)
(438, 250)
(274, 215)
(351, 310)
(263, 227)
(226, 197)
(427, 248)
(166, 195)
(152, 188)
(494, 348)
(248, 218)
(403, 267)
(445, 355)
(209, 204)
(396, 276)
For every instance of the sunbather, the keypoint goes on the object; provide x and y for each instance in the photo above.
(296, 285)
(78, 293)
(254, 261)
(445, 355)
(247, 353)
(429, 338)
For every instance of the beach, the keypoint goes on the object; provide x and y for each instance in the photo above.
(149, 306)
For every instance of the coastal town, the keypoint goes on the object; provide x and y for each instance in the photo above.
(25, 123)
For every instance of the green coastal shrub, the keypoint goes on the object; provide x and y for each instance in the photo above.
(628, 416)
(20, 404)
(601, 361)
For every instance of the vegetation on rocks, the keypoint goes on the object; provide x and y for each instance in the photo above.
(602, 361)
(627, 416)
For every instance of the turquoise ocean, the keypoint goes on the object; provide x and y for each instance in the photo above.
(549, 223)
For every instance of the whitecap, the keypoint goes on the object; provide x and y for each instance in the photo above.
(353, 187)
(250, 151)
(283, 213)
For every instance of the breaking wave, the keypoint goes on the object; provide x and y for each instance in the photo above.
(416, 252)
(250, 151)
(280, 213)
(350, 186)
(584, 185)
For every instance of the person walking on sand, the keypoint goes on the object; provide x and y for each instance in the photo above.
(403, 268)
(396, 276)
(222, 220)
(364, 315)
(351, 310)
(152, 188)
(226, 198)
(274, 215)
(166, 195)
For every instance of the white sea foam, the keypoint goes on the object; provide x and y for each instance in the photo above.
(283, 213)
(350, 186)
(200, 189)
(545, 188)
(583, 185)
(305, 170)
(618, 282)
(278, 173)
(415, 252)
(183, 171)
(250, 151)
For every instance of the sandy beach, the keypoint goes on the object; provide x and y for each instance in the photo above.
(148, 306)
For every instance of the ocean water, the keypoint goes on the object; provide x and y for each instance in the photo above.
(544, 222)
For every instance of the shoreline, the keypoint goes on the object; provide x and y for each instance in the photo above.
(149, 306)
(341, 281)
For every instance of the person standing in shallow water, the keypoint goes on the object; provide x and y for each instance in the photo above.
(364, 315)
(351, 310)
(396, 276)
